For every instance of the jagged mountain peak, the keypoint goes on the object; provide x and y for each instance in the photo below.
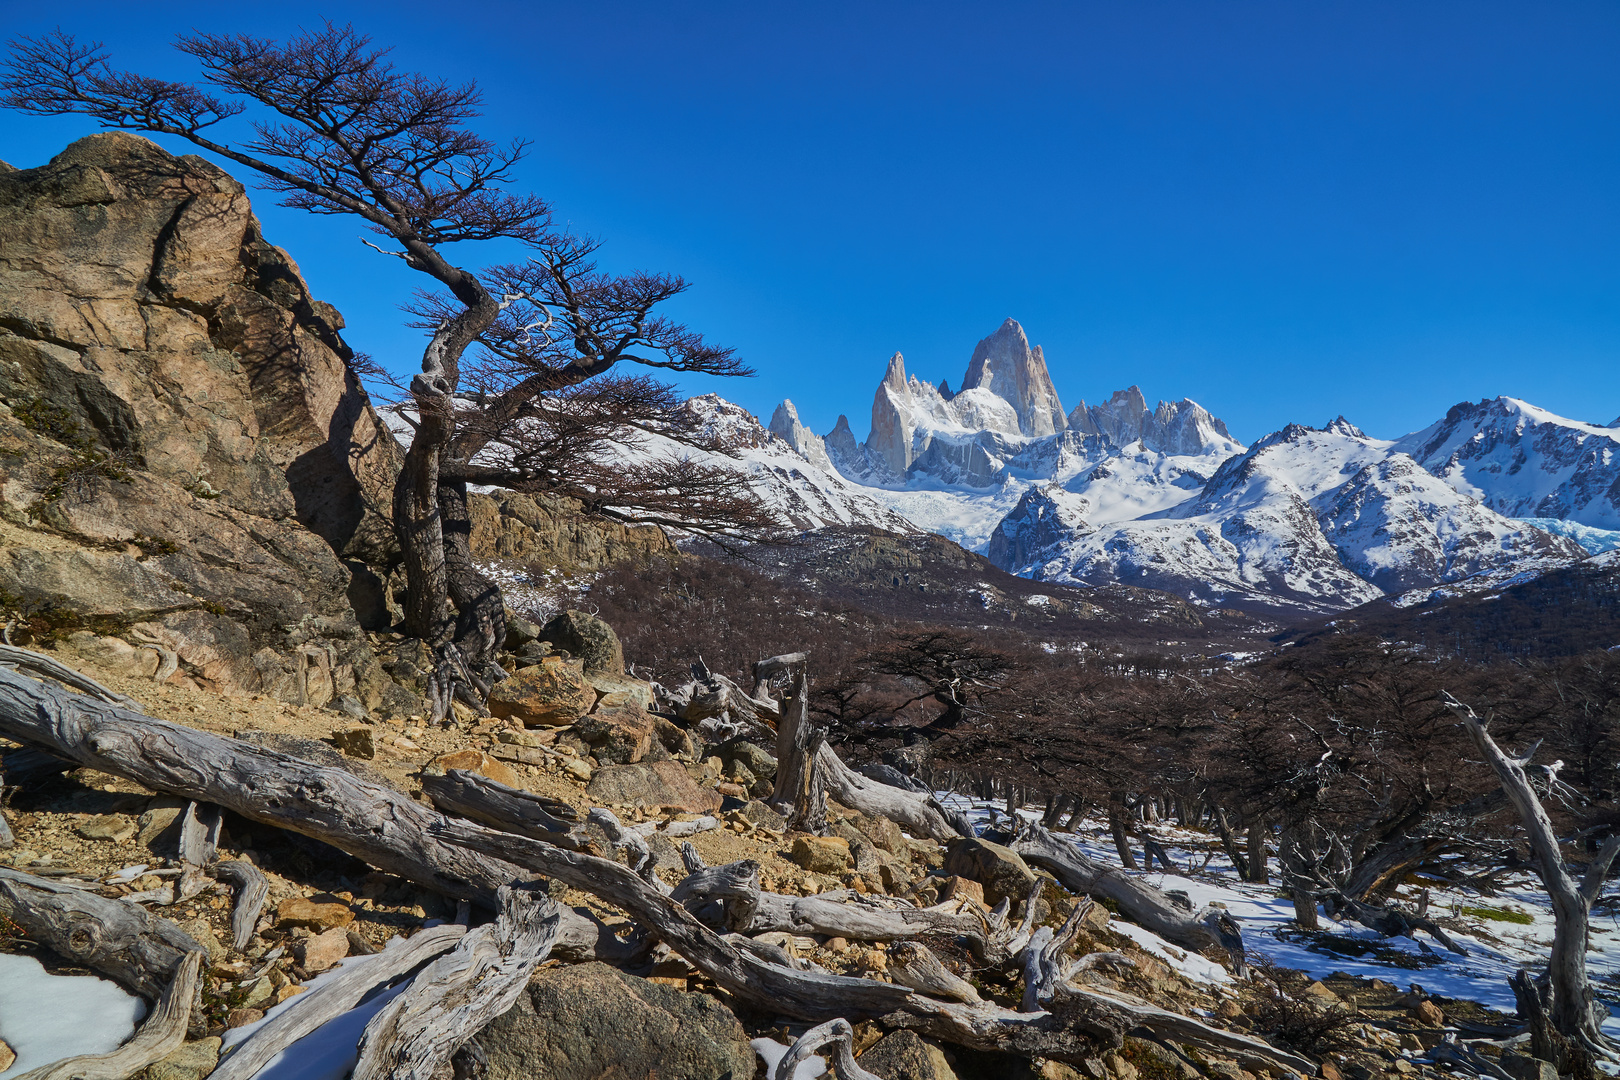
(895, 376)
(1340, 426)
(1004, 364)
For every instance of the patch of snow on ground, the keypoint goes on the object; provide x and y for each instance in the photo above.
(770, 1052)
(1496, 949)
(46, 1018)
(331, 1050)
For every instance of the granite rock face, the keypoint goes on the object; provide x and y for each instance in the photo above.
(1004, 364)
(186, 459)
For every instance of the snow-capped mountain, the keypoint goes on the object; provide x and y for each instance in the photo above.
(1317, 519)
(1525, 462)
(1304, 520)
(790, 473)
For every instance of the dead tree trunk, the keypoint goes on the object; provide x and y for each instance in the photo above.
(1137, 900)
(459, 993)
(1572, 1008)
(1117, 828)
(121, 940)
(808, 770)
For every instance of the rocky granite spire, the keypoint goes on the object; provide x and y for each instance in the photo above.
(1004, 364)
(785, 424)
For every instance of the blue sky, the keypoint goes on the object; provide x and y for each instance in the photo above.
(1284, 211)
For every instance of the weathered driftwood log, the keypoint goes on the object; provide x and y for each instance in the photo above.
(808, 770)
(335, 996)
(459, 993)
(252, 890)
(13, 658)
(470, 795)
(1137, 900)
(159, 1036)
(750, 910)
(1572, 1007)
(799, 792)
(836, 1034)
(719, 707)
(769, 668)
(1044, 968)
(638, 856)
(382, 826)
(912, 964)
(135, 949)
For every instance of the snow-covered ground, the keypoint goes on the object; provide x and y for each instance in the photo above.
(1496, 949)
(46, 1018)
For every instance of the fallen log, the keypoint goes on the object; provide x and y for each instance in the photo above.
(456, 995)
(126, 943)
(1043, 958)
(470, 795)
(912, 964)
(159, 1036)
(334, 997)
(384, 827)
(1137, 900)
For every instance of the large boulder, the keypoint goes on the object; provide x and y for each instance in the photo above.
(186, 456)
(650, 786)
(593, 1022)
(1002, 871)
(903, 1055)
(552, 693)
(587, 638)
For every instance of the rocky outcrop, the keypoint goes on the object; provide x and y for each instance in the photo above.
(186, 458)
(545, 532)
(1004, 364)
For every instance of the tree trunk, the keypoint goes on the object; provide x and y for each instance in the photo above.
(1116, 826)
(1572, 1008)
(1259, 872)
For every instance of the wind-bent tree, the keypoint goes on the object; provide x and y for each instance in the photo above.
(335, 129)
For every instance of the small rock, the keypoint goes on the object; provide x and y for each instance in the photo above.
(735, 791)
(820, 854)
(955, 887)
(1524, 1067)
(578, 770)
(519, 632)
(1426, 1013)
(1330, 1071)
(243, 1017)
(290, 990)
(356, 742)
(203, 934)
(650, 786)
(114, 827)
(193, 1061)
(886, 835)
(155, 823)
(590, 1021)
(260, 993)
(1319, 992)
(552, 693)
(349, 706)
(313, 914)
(618, 736)
(323, 950)
(1119, 1067)
(8, 1056)
(1411, 1042)
(475, 761)
(533, 740)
